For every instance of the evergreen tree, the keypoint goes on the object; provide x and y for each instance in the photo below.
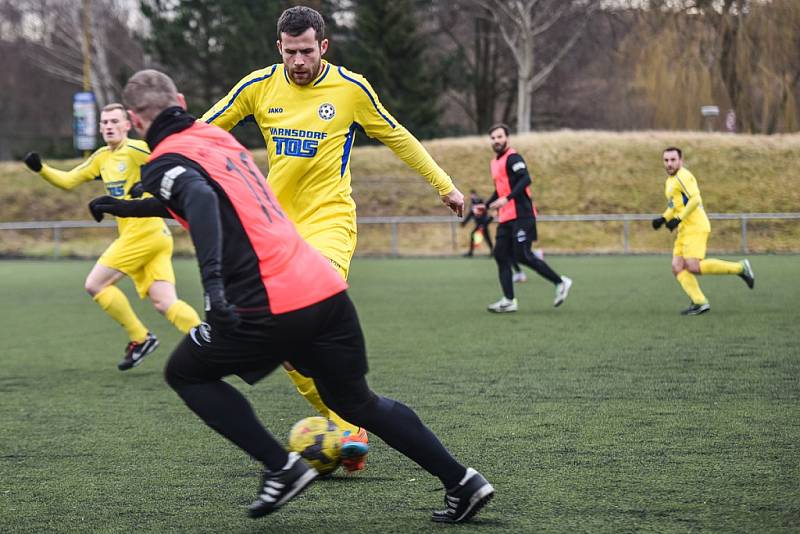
(206, 46)
(389, 49)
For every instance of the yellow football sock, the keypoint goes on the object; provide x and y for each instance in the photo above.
(114, 302)
(713, 266)
(688, 282)
(182, 316)
(308, 390)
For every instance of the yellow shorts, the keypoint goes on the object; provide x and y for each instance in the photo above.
(336, 243)
(145, 259)
(691, 245)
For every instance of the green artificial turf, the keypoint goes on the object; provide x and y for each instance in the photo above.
(610, 414)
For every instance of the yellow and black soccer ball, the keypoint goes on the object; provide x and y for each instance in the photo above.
(319, 442)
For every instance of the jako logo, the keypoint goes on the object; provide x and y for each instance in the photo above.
(276, 110)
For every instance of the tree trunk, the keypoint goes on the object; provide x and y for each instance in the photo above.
(525, 85)
(524, 107)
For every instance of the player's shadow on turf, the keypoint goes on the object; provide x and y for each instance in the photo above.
(335, 479)
(344, 479)
(139, 374)
(478, 520)
(329, 524)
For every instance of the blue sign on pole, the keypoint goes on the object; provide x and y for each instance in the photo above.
(84, 121)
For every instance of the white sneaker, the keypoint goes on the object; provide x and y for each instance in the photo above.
(503, 305)
(562, 290)
(747, 274)
(519, 278)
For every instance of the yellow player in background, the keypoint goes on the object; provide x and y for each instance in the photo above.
(309, 112)
(143, 250)
(686, 213)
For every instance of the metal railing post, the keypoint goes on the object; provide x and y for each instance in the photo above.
(743, 221)
(56, 242)
(395, 249)
(626, 227)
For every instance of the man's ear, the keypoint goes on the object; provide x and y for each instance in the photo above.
(323, 47)
(182, 100)
(135, 120)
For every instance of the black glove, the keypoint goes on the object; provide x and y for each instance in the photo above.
(101, 205)
(33, 161)
(658, 222)
(673, 223)
(137, 190)
(220, 314)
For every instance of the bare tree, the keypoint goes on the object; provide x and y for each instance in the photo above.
(776, 29)
(737, 54)
(522, 24)
(757, 45)
(476, 54)
(41, 61)
(57, 44)
(726, 17)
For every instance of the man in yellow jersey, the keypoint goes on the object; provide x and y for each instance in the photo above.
(686, 213)
(309, 112)
(143, 250)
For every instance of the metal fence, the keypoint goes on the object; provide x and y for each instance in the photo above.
(395, 222)
(624, 218)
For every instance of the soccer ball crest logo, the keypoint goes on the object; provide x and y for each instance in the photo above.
(319, 442)
(326, 111)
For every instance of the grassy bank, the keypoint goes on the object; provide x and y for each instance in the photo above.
(574, 172)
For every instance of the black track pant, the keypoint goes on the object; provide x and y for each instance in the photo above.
(513, 243)
(323, 341)
(484, 229)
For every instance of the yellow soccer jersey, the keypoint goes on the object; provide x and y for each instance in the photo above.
(119, 170)
(684, 201)
(309, 131)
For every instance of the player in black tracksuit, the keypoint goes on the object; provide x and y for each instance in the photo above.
(478, 213)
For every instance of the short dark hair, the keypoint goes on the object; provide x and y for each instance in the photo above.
(298, 19)
(673, 149)
(149, 92)
(497, 126)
